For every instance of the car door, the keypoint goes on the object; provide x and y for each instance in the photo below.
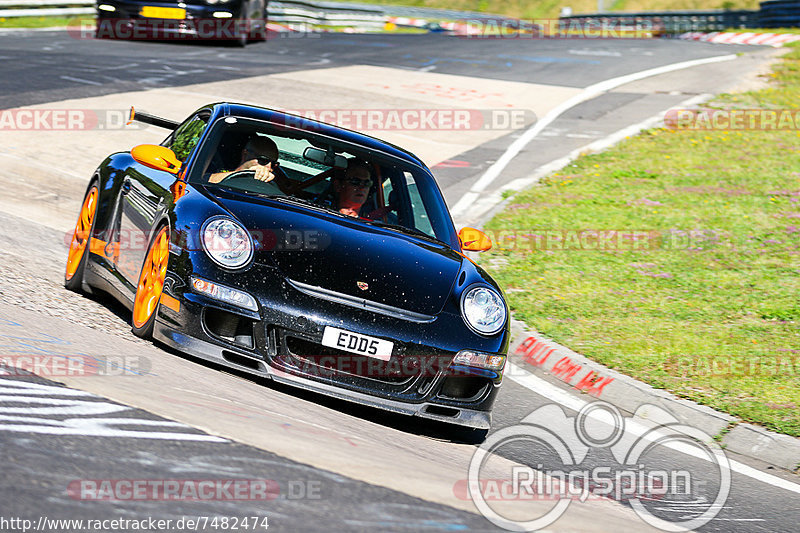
(145, 195)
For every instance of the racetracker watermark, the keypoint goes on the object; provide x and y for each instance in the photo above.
(503, 28)
(112, 243)
(73, 365)
(733, 119)
(375, 366)
(623, 465)
(412, 119)
(185, 523)
(65, 119)
(735, 365)
(173, 489)
(170, 29)
(599, 240)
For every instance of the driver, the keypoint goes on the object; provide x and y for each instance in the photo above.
(260, 155)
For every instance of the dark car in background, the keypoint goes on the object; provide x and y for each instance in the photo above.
(266, 277)
(235, 21)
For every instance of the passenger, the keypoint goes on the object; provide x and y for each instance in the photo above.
(352, 189)
(260, 154)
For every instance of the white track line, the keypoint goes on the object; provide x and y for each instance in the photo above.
(571, 401)
(475, 192)
(80, 80)
(493, 200)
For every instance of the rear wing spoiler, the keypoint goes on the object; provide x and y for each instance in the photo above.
(153, 120)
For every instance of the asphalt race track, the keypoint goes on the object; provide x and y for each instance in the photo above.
(316, 464)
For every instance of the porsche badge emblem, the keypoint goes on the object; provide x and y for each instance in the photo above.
(362, 285)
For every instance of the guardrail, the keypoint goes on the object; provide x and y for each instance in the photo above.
(41, 3)
(45, 12)
(44, 8)
(772, 14)
(780, 14)
(674, 21)
(326, 13)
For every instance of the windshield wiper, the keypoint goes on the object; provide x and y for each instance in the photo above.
(405, 229)
(300, 201)
(278, 197)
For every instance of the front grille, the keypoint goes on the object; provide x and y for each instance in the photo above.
(405, 377)
(314, 358)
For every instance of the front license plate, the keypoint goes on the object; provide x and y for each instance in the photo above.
(163, 12)
(357, 343)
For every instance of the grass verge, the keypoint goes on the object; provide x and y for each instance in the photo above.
(35, 22)
(698, 291)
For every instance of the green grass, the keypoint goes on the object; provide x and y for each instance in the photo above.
(36, 22)
(770, 30)
(731, 295)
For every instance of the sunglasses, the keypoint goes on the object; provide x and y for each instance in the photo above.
(355, 182)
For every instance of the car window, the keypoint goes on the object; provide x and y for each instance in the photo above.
(417, 205)
(297, 168)
(400, 195)
(186, 136)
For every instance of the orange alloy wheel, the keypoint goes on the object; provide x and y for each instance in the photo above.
(151, 280)
(80, 238)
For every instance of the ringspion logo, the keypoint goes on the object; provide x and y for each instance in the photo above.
(669, 499)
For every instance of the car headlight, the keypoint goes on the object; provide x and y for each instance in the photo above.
(483, 310)
(491, 361)
(225, 294)
(227, 242)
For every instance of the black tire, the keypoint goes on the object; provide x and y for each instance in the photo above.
(74, 282)
(145, 330)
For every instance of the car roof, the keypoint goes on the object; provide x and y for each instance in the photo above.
(283, 119)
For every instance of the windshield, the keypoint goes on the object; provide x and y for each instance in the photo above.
(263, 159)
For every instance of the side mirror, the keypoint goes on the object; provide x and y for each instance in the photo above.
(474, 240)
(157, 157)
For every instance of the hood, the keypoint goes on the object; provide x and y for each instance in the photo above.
(347, 256)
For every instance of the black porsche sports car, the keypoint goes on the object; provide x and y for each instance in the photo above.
(236, 21)
(263, 272)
